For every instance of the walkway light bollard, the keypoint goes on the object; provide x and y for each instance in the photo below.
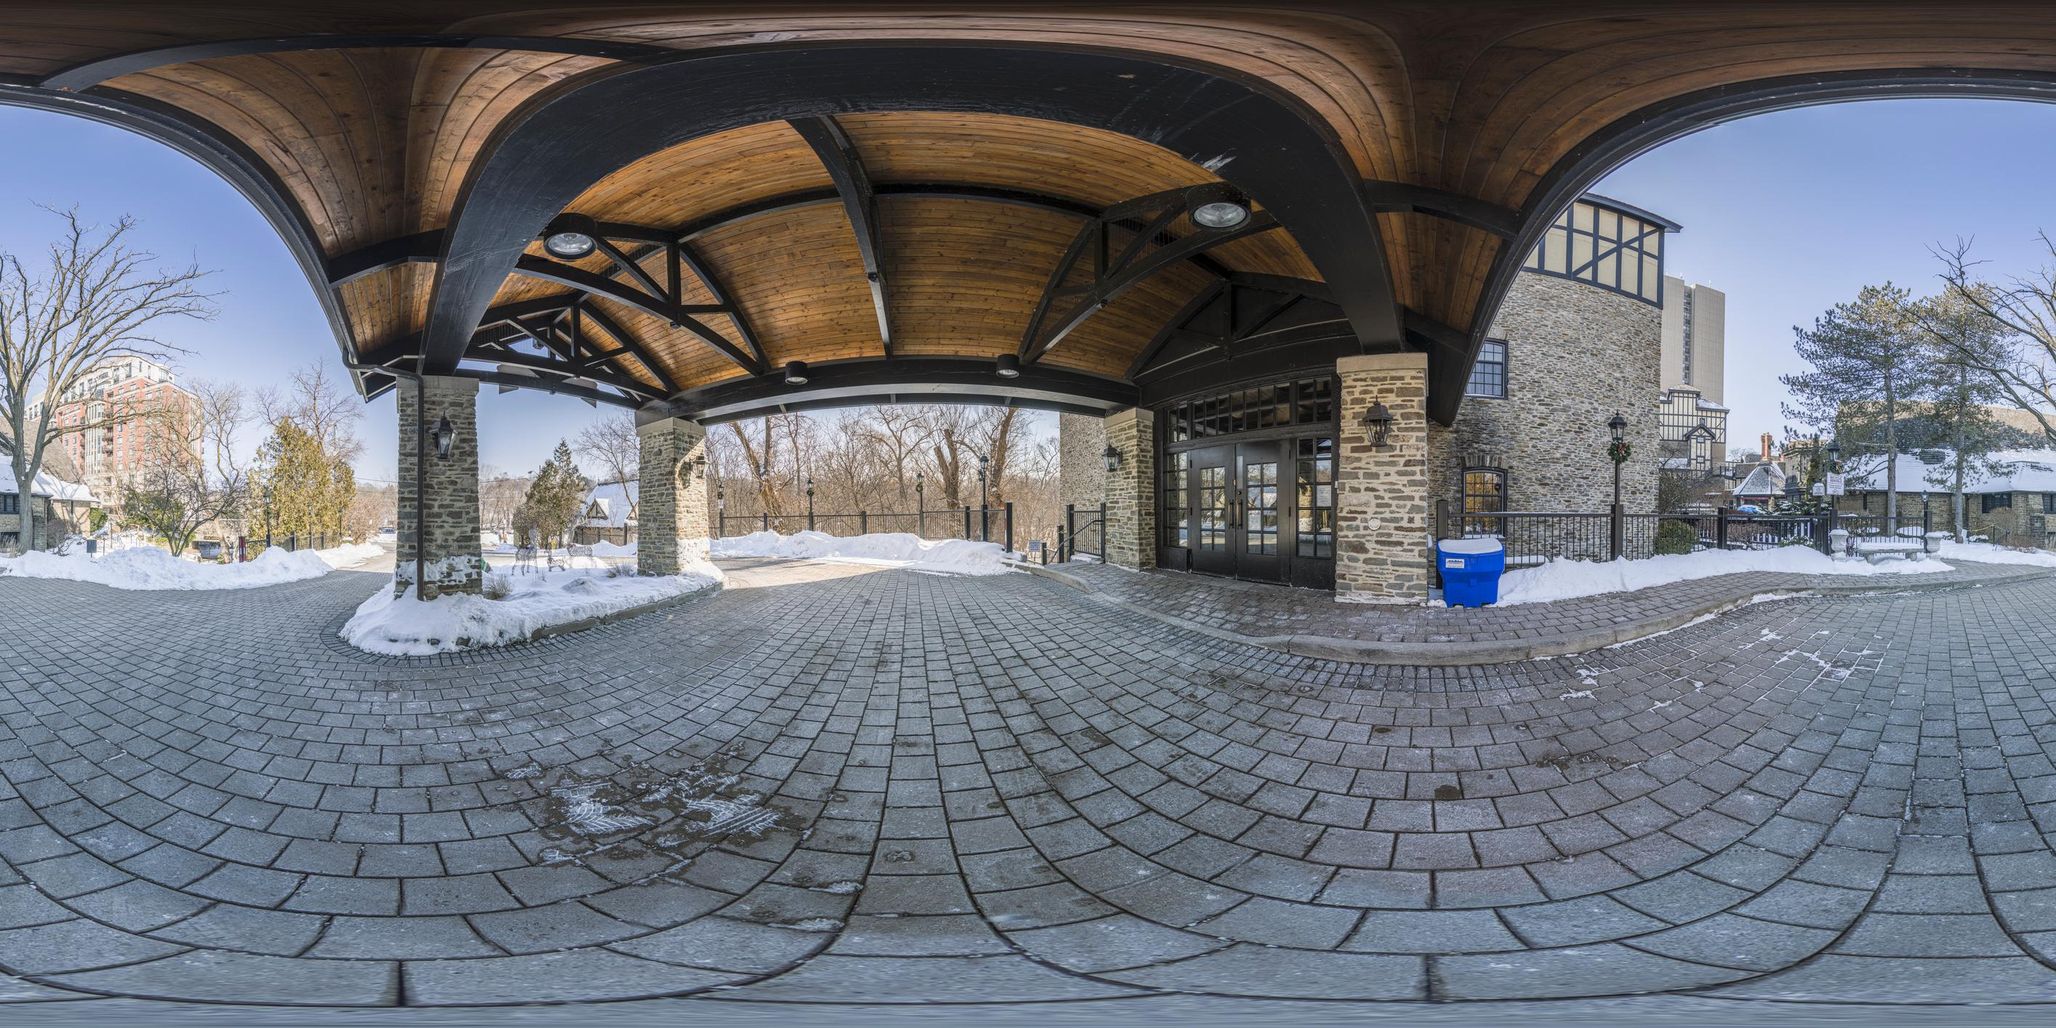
(810, 503)
(1618, 450)
(921, 504)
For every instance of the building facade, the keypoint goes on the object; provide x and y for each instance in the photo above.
(609, 516)
(1695, 320)
(106, 457)
(60, 509)
(1293, 478)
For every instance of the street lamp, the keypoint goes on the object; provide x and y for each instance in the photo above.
(1834, 457)
(1618, 451)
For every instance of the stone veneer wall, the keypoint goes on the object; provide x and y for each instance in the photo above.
(1576, 353)
(448, 538)
(1081, 460)
(1381, 495)
(1131, 491)
(671, 509)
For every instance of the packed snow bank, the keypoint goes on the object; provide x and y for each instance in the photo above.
(407, 627)
(886, 549)
(607, 549)
(1568, 579)
(147, 567)
(1990, 554)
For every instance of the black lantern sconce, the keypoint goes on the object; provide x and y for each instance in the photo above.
(444, 436)
(1834, 457)
(1618, 426)
(1378, 419)
(1113, 457)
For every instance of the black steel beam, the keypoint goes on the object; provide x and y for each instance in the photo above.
(387, 253)
(635, 348)
(94, 72)
(1266, 144)
(1383, 196)
(859, 202)
(901, 379)
(549, 385)
(679, 315)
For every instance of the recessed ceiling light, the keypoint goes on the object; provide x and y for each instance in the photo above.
(1007, 366)
(568, 246)
(796, 373)
(1220, 214)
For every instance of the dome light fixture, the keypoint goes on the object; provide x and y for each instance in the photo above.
(569, 246)
(795, 373)
(1220, 214)
(1007, 366)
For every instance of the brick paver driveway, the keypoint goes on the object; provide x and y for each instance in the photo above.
(834, 784)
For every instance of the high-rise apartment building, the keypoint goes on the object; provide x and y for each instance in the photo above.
(1695, 325)
(103, 458)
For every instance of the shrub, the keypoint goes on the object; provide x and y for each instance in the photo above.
(1676, 537)
(497, 587)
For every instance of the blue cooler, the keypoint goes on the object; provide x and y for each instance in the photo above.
(1470, 570)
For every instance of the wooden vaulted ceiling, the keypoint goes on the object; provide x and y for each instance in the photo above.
(1468, 128)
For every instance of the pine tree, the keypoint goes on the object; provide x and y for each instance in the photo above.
(555, 499)
(1962, 341)
(306, 490)
(1868, 360)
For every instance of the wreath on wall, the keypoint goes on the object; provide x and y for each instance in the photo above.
(1619, 451)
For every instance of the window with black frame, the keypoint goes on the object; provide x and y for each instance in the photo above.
(1255, 409)
(1316, 493)
(1484, 491)
(1176, 518)
(1997, 501)
(1488, 375)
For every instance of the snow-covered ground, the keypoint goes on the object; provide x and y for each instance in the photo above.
(407, 627)
(1990, 554)
(1568, 579)
(883, 549)
(147, 567)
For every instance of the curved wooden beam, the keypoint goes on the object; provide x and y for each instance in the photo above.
(1268, 145)
(859, 202)
(91, 73)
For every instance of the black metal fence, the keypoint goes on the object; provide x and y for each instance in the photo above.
(985, 524)
(1534, 537)
(1083, 531)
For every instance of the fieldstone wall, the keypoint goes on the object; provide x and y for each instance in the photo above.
(672, 508)
(1576, 354)
(447, 538)
(1131, 491)
(1081, 460)
(1381, 494)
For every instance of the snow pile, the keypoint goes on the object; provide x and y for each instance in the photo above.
(407, 627)
(604, 548)
(1990, 554)
(1562, 579)
(147, 567)
(886, 549)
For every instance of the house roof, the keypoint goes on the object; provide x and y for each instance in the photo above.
(49, 485)
(610, 505)
(2024, 471)
(1766, 480)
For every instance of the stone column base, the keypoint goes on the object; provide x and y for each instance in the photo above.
(1382, 508)
(446, 539)
(1131, 489)
(671, 498)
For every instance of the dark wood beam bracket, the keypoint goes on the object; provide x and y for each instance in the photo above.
(1385, 197)
(859, 201)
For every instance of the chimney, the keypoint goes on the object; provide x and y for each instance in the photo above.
(1766, 448)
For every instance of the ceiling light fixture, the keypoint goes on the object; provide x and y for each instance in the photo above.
(1007, 366)
(796, 373)
(569, 246)
(1220, 214)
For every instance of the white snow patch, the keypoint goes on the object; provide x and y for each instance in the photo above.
(840, 888)
(883, 549)
(1563, 579)
(813, 924)
(149, 568)
(1581, 694)
(406, 627)
(1990, 554)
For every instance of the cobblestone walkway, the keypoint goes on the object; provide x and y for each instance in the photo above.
(842, 785)
(1304, 620)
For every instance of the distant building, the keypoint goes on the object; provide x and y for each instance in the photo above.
(107, 457)
(1693, 430)
(609, 515)
(2014, 505)
(61, 509)
(1695, 329)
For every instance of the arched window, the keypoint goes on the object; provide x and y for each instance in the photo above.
(1484, 491)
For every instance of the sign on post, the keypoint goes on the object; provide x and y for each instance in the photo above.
(1837, 483)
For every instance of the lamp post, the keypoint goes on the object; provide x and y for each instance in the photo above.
(1617, 451)
(984, 529)
(810, 503)
(921, 504)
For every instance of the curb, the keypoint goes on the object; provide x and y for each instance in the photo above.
(1468, 654)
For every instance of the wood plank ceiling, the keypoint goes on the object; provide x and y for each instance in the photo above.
(371, 134)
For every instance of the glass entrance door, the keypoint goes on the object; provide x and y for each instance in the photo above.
(1259, 551)
(1240, 511)
(1208, 483)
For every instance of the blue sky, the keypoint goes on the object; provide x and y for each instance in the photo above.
(1787, 213)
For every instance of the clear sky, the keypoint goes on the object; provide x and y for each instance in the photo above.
(1787, 213)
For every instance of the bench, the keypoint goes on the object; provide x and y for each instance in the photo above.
(1874, 550)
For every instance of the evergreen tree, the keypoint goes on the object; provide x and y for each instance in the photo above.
(555, 499)
(306, 490)
(1962, 340)
(1868, 361)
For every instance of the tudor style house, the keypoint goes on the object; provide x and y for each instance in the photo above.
(609, 516)
(2012, 502)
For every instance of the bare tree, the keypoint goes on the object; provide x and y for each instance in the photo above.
(611, 445)
(190, 474)
(2023, 368)
(95, 299)
(499, 496)
(319, 404)
(759, 460)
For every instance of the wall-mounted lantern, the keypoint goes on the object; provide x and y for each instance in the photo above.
(1113, 457)
(444, 436)
(1378, 420)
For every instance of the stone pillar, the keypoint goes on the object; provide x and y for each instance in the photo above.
(1081, 461)
(1131, 490)
(1381, 495)
(447, 537)
(671, 501)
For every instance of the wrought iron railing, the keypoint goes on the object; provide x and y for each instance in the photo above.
(986, 524)
(1083, 531)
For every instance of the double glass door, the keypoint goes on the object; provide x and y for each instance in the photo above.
(1239, 511)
